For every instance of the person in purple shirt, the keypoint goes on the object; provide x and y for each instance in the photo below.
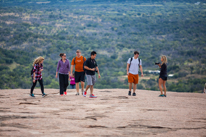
(63, 67)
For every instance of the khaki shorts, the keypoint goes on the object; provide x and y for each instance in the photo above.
(133, 78)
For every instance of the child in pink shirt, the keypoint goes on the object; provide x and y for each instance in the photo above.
(72, 82)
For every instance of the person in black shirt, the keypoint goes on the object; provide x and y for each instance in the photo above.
(163, 76)
(91, 67)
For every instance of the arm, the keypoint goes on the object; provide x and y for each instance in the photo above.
(127, 69)
(34, 77)
(98, 72)
(41, 69)
(72, 67)
(34, 70)
(69, 68)
(57, 70)
(141, 69)
(89, 68)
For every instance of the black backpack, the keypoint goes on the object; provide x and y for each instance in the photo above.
(84, 65)
(32, 70)
(131, 62)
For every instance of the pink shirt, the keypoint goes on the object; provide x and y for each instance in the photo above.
(72, 80)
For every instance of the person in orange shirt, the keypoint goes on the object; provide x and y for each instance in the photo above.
(78, 61)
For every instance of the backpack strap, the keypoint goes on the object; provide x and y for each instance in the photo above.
(83, 59)
(130, 61)
(139, 62)
(74, 60)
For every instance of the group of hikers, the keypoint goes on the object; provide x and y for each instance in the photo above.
(88, 67)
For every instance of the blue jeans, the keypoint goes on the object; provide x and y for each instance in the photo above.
(72, 86)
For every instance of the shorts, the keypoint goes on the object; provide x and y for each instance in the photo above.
(133, 78)
(91, 79)
(79, 76)
(164, 78)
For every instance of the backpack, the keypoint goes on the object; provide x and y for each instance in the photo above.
(84, 65)
(131, 62)
(32, 70)
(83, 61)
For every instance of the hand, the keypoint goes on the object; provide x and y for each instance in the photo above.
(128, 73)
(142, 75)
(71, 75)
(93, 69)
(99, 76)
(56, 75)
(34, 81)
(41, 70)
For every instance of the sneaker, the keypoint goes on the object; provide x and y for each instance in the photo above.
(84, 93)
(129, 93)
(134, 94)
(65, 93)
(77, 94)
(161, 95)
(165, 96)
(32, 95)
(44, 95)
(93, 96)
(61, 94)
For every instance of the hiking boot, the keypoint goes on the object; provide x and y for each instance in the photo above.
(92, 96)
(134, 94)
(77, 94)
(84, 93)
(44, 95)
(32, 95)
(65, 93)
(129, 93)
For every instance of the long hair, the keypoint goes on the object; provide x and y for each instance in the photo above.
(164, 58)
(38, 60)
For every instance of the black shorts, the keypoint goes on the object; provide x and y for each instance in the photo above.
(79, 76)
(164, 78)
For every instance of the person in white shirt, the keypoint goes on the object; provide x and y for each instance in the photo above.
(133, 66)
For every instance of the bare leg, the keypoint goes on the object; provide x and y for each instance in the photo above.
(134, 87)
(164, 86)
(91, 89)
(130, 86)
(82, 85)
(77, 87)
(160, 85)
(87, 87)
